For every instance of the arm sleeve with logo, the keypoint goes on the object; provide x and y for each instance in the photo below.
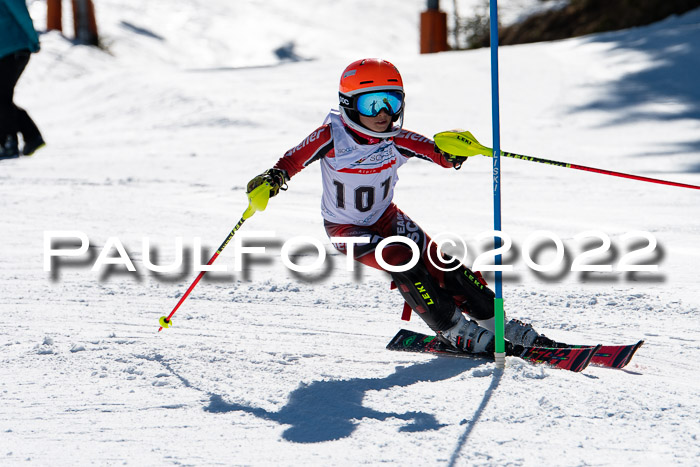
(412, 144)
(314, 147)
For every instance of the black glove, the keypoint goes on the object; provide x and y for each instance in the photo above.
(277, 178)
(456, 161)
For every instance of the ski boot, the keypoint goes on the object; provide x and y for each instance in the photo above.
(467, 336)
(8, 148)
(520, 333)
(32, 145)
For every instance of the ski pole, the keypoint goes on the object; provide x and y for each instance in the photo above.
(465, 144)
(257, 201)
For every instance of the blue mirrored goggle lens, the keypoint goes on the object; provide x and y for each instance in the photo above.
(372, 103)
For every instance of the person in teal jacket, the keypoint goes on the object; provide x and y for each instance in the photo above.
(18, 40)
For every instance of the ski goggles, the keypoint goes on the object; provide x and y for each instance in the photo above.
(372, 103)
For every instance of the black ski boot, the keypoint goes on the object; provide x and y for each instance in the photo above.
(9, 149)
(32, 145)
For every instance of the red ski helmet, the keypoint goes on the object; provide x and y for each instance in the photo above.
(367, 77)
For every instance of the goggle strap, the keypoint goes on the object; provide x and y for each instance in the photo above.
(347, 101)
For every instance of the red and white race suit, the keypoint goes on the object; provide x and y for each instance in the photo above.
(358, 178)
(359, 175)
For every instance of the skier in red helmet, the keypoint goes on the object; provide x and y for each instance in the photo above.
(360, 149)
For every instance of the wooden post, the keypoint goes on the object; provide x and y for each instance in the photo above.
(53, 15)
(84, 22)
(433, 29)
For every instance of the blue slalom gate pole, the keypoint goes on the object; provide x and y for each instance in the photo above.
(499, 313)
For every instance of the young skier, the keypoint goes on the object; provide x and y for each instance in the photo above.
(360, 149)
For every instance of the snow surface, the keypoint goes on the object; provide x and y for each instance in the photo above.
(158, 137)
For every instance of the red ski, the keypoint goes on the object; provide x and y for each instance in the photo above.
(612, 356)
(567, 358)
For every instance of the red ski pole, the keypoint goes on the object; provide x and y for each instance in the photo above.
(599, 171)
(463, 143)
(257, 201)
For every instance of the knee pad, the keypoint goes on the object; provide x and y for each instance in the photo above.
(478, 297)
(421, 291)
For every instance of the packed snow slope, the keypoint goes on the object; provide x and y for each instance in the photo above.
(156, 138)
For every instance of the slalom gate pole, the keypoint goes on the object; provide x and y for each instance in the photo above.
(257, 201)
(499, 314)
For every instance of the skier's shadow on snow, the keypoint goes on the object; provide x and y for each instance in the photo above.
(328, 410)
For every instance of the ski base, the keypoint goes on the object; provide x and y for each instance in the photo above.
(567, 358)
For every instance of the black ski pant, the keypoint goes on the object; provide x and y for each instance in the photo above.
(14, 119)
(432, 293)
